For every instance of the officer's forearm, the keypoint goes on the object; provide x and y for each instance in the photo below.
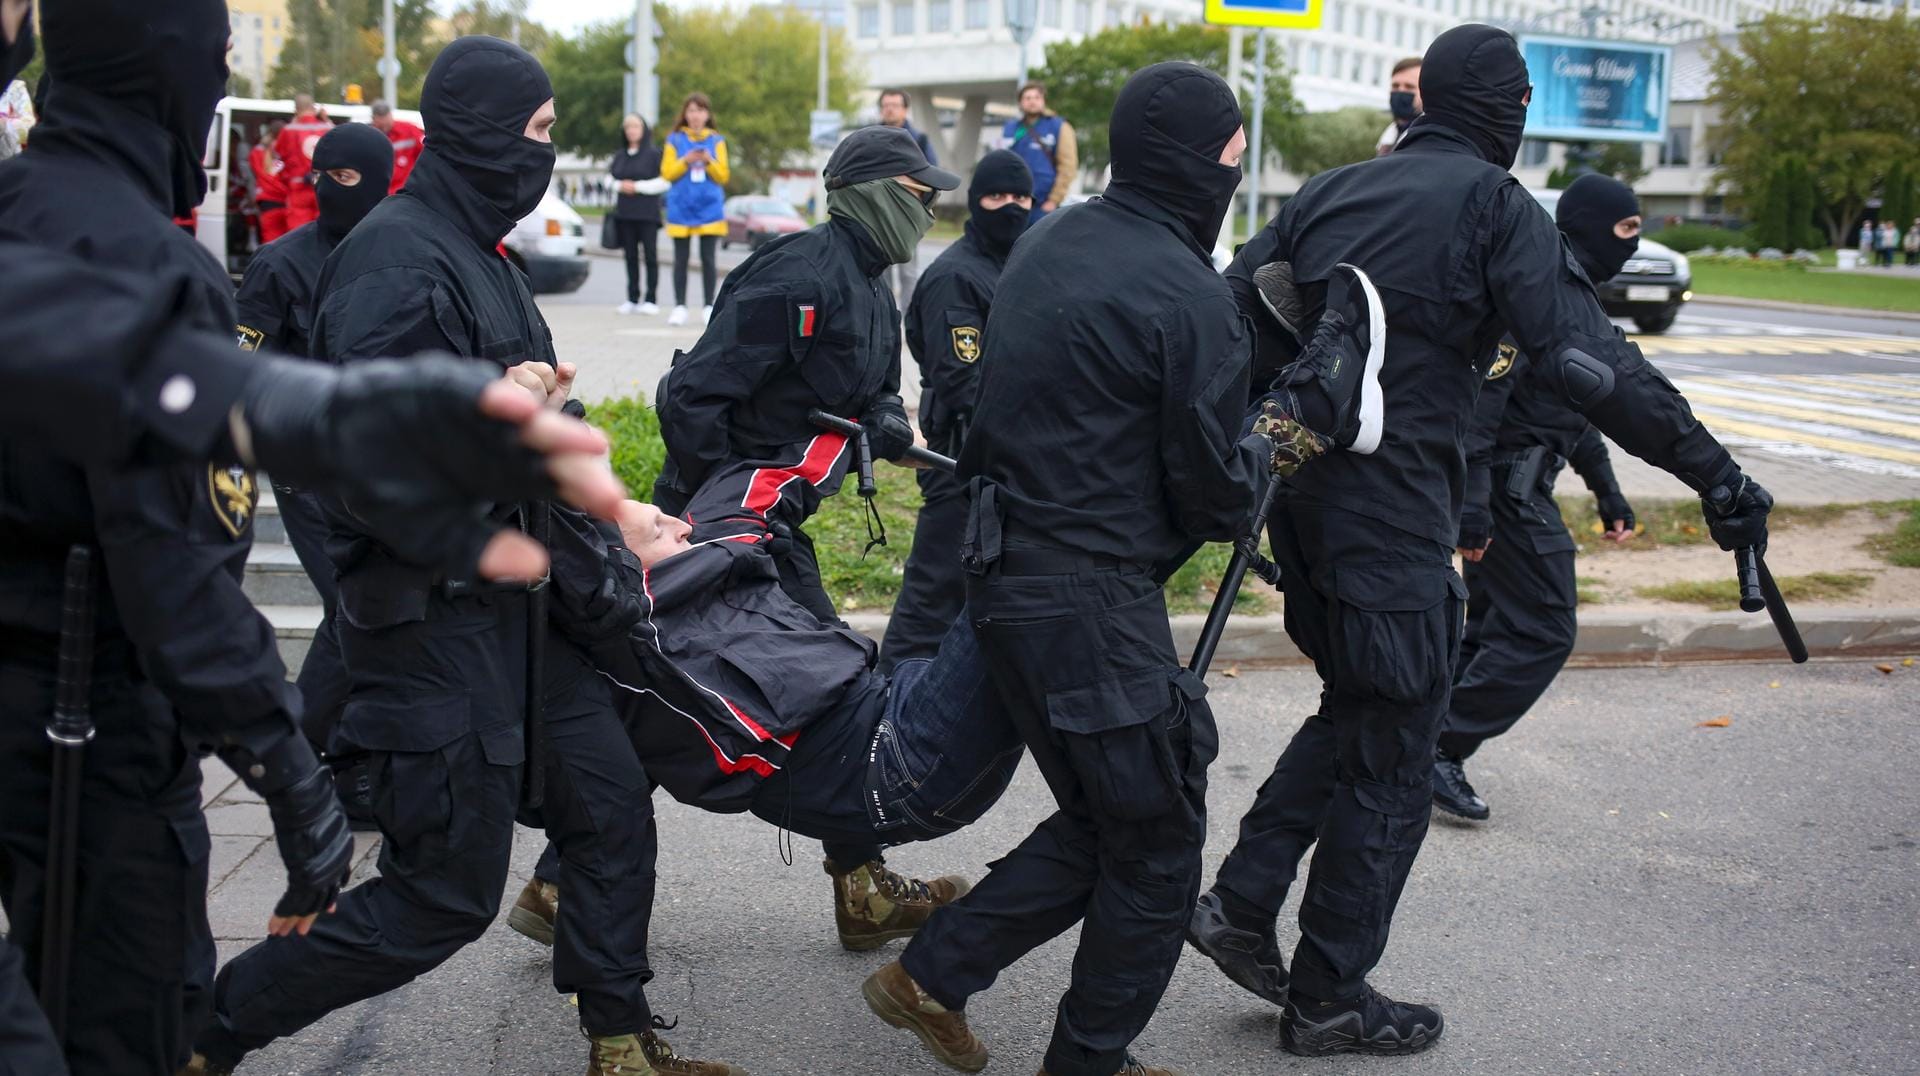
(1644, 414)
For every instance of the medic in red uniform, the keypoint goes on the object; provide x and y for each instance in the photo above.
(294, 148)
(406, 138)
(269, 190)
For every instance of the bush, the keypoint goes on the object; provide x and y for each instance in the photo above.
(638, 453)
(1687, 238)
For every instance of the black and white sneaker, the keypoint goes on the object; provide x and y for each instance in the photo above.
(1348, 347)
(1250, 958)
(1369, 1024)
(1452, 793)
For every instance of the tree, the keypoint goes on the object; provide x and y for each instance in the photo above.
(1793, 84)
(333, 43)
(759, 66)
(1084, 78)
(1330, 139)
(504, 19)
(1623, 161)
(1898, 197)
(588, 72)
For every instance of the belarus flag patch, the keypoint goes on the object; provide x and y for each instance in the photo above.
(805, 320)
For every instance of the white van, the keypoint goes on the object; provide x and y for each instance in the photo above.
(548, 245)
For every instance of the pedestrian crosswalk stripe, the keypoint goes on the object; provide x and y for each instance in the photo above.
(1735, 344)
(1845, 443)
(1832, 415)
(1858, 386)
(1805, 397)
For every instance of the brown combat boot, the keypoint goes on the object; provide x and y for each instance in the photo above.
(1140, 1068)
(895, 998)
(617, 1055)
(667, 1063)
(534, 911)
(198, 1065)
(873, 906)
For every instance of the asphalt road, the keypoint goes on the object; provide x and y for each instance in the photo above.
(1650, 897)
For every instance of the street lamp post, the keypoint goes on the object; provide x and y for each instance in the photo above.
(389, 63)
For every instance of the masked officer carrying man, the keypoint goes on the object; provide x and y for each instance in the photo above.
(439, 664)
(1458, 250)
(1518, 554)
(943, 325)
(276, 305)
(180, 659)
(1105, 443)
(808, 322)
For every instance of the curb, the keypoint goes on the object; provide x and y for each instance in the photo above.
(1806, 308)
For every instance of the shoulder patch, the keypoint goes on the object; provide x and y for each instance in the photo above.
(1503, 362)
(966, 343)
(249, 338)
(233, 495)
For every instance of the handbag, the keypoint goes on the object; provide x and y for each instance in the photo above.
(610, 232)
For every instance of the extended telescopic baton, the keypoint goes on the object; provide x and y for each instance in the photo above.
(855, 430)
(1246, 554)
(69, 732)
(1758, 591)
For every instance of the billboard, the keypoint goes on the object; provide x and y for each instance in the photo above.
(1270, 14)
(1605, 91)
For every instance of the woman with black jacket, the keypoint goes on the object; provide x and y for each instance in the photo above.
(636, 209)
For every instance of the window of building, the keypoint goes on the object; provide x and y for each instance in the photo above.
(1379, 27)
(976, 14)
(1400, 31)
(939, 16)
(868, 19)
(902, 17)
(1533, 152)
(1339, 19)
(1677, 151)
(1050, 13)
(1379, 71)
(1083, 15)
(1313, 59)
(276, 22)
(1336, 63)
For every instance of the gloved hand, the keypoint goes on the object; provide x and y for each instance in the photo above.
(1476, 531)
(1290, 445)
(309, 825)
(888, 432)
(1613, 509)
(432, 441)
(1736, 512)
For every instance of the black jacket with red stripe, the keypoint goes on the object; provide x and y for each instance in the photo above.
(722, 672)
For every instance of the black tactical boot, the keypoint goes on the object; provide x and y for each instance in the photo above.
(1452, 793)
(1248, 957)
(1334, 387)
(1369, 1024)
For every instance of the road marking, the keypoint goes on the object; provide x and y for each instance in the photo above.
(1865, 419)
(1833, 439)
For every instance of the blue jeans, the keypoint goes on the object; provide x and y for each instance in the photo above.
(940, 753)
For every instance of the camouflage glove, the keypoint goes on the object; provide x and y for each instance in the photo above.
(1293, 444)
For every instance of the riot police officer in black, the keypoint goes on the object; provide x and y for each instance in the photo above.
(1520, 587)
(1457, 249)
(181, 660)
(1105, 443)
(944, 328)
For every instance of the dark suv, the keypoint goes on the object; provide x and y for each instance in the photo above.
(1650, 288)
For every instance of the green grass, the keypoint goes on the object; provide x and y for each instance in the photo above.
(1678, 522)
(867, 582)
(1901, 546)
(1586, 591)
(1725, 593)
(1770, 281)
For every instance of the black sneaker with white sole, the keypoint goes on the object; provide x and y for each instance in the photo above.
(1369, 1024)
(1250, 958)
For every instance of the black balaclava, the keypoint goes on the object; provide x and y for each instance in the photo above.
(477, 100)
(365, 150)
(1169, 125)
(19, 53)
(1588, 210)
(999, 172)
(162, 62)
(1473, 81)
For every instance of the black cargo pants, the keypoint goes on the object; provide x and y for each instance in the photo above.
(1378, 612)
(1081, 656)
(142, 956)
(1520, 618)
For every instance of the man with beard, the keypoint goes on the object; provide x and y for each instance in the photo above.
(1518, 554)
(943, 327)
(180, 658)
(1105, 442)
(439, 666)
(1457, 249)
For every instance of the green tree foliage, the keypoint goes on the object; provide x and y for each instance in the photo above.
(1783, 216)
(504, 19)
(1084, 77)
(1330, 139)
(1624, 161)
(759, 66)
(331, 43)
(588, 72)
(1899, 200)
(1818, 87)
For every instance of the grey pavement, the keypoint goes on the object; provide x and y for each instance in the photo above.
(1651, 896)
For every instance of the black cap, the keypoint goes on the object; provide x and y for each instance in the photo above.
(881, 152)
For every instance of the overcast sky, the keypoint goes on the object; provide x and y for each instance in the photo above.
(570, 15)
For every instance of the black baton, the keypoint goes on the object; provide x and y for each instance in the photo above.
(1776, 604)
(1244, 555)
(69, 732)
(854, 429)
(1746, 565)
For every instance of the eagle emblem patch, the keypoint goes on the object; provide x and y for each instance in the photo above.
(1503, 362)
(966, 343)
(248, 337)
(233, 495)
